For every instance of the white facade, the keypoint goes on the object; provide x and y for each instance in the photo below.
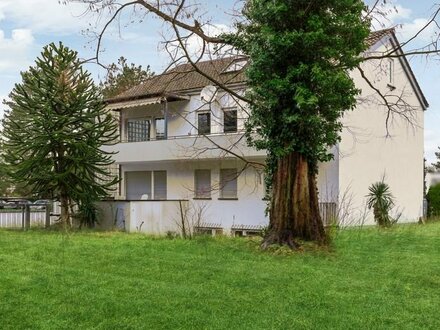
(364, 156)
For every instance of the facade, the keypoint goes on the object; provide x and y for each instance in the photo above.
(183, 158)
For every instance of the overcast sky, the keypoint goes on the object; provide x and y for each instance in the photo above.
(27, 25)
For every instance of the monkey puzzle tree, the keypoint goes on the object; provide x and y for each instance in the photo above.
(55, 129)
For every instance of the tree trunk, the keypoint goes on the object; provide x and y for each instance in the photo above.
(65, 215)
(294, 209)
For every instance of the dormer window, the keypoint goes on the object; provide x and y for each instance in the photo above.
(236, 65)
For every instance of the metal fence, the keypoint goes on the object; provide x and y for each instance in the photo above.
(15, 218)
(328, 213)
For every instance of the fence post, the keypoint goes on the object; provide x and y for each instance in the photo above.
(47, 224)
(27, 217)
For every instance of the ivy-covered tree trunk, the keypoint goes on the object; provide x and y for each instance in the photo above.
(294, 208)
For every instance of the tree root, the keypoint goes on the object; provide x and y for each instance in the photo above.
(281, 239)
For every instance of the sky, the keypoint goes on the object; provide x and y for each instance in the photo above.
(28, 25)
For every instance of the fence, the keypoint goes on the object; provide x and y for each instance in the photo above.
(328, 213)
(15, 218)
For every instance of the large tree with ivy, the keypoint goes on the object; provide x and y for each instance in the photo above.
(55, 129)
(300, 54)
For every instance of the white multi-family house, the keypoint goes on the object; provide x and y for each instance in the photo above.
(183, 154)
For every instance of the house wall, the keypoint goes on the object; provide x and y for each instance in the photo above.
(247, 209)
(367, 154)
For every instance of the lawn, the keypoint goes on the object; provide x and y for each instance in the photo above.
(370, 279)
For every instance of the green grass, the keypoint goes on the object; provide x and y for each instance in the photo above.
(371, 279)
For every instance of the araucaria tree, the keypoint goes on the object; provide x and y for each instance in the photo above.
(55, 129)
(300, 55)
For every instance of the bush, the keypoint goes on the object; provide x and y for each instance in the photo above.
(433, 198)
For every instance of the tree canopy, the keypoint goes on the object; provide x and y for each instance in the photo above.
(55, 129)
(121, 76)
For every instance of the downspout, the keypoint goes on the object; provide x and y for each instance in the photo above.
(165, 117)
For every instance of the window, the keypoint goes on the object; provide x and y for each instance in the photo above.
(230, 120)
(146, 185)
(202, 183)
(204, 123)
(228, 183)
(160, 185)
(391, 71)
(160, 128)
(138, 130)
(138, 185)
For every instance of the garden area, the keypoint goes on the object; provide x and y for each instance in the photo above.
(369, 278)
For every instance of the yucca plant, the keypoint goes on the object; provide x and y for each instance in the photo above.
(381, 201)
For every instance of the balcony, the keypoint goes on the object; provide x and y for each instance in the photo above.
(213, 146)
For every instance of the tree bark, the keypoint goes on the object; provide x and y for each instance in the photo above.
(65, 214)
(294, 209)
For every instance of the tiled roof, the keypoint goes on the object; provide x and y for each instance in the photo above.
(184, 77)
(375, 36)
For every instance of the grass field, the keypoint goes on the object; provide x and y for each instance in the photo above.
(370, 279)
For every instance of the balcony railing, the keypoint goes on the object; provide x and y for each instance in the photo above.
(179, 137)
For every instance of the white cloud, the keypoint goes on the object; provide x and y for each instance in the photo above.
(389, 14)
(408, 30)
(14, 50)
(400, 17)
(44, 16)
(194, 44)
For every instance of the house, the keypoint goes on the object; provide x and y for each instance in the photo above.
(183, 158)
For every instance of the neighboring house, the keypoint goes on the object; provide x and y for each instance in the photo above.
(171, 166)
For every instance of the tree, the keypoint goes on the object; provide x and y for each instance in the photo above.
(55, 129)
(433, 198)
(4, 182)
(300, 56)
(300, 53)
(436, 165)
(381, 200)
(122, 76)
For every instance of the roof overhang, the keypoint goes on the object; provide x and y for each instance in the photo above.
(134, 103)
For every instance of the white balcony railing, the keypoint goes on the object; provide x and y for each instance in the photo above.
(213, 146)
